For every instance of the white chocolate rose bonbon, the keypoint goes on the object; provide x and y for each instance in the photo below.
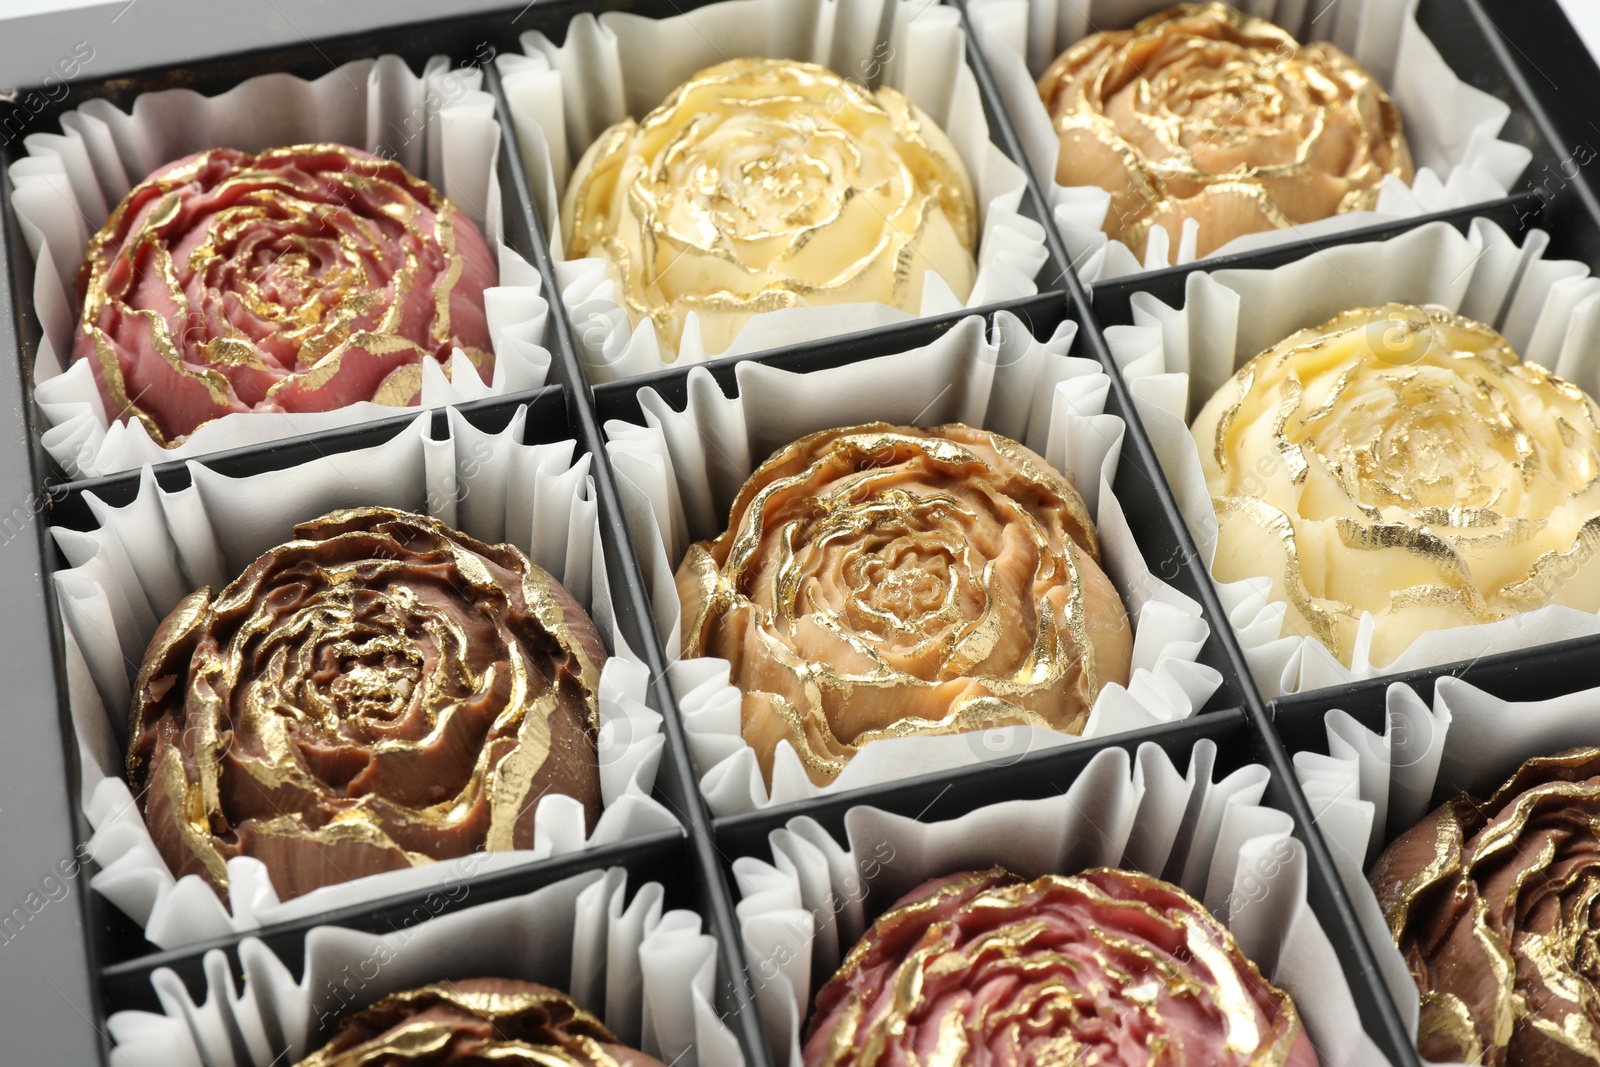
(1403, 462)
(763, 184)
(887, 581)
(1202, 112)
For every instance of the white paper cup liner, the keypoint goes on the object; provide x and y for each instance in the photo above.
(649, 974)
(801, 914)
(562, 99)
(1175, 359)
(440, 126)
(125, 576)
(678, 474)
(1452, 127)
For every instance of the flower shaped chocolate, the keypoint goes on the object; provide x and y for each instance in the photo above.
(1401, 461)
(1496, 908)
(763, 184)
(887, 581)
(1108, 967)
(379, 692)
(301, 279)
(472, 1022)
(1204, 113)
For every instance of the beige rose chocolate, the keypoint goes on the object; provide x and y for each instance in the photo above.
(473, 1022)
(762, 184)
(1402, 461)
(378, 693)
(887, 581)
(1201, 112)
(1495, 906)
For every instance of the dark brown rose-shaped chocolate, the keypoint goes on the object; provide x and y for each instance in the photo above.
(887, 581)
(1203, 112)
(378, 693)
(301, 279)
(1109, 967)
(1496, 907)
(475, 1022)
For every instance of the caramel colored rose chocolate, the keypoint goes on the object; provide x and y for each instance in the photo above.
(301, 279)
(1403, 462)
(888, 581)
(1108, 967)
(378, 693)
(1496, 906)
(1202, 112)
(762, 184)
(472, 1022)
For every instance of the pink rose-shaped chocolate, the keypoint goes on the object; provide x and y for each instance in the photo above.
(1108, 967)
(301, 279)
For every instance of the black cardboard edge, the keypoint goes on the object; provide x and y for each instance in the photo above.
(491, 414)
(49, 999)
(655, 857)
(676, 778)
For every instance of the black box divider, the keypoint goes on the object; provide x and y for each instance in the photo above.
(676, 780)
(1525, 675)
(546, 422)
(1112, 299)
(619, 399)
(940, 796)
(656, 857)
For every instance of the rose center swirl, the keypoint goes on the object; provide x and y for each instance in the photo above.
(1418, 438)
(758, 178)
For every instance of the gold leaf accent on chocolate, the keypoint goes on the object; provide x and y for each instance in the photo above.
(1494, 906)
(886, 581)
(476, 1021)
(763, 184)
(1403, 462)
(378, 693)
(1207, 113)
(308, 268)
(984, 966)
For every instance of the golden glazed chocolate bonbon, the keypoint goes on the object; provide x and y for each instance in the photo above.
(1494, 907)
(379, 692)
(1202, 112)
(473, 1022)
(300, 279)
(763, 184)
(1401, 461)
(1105, 967)
(888, 581)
